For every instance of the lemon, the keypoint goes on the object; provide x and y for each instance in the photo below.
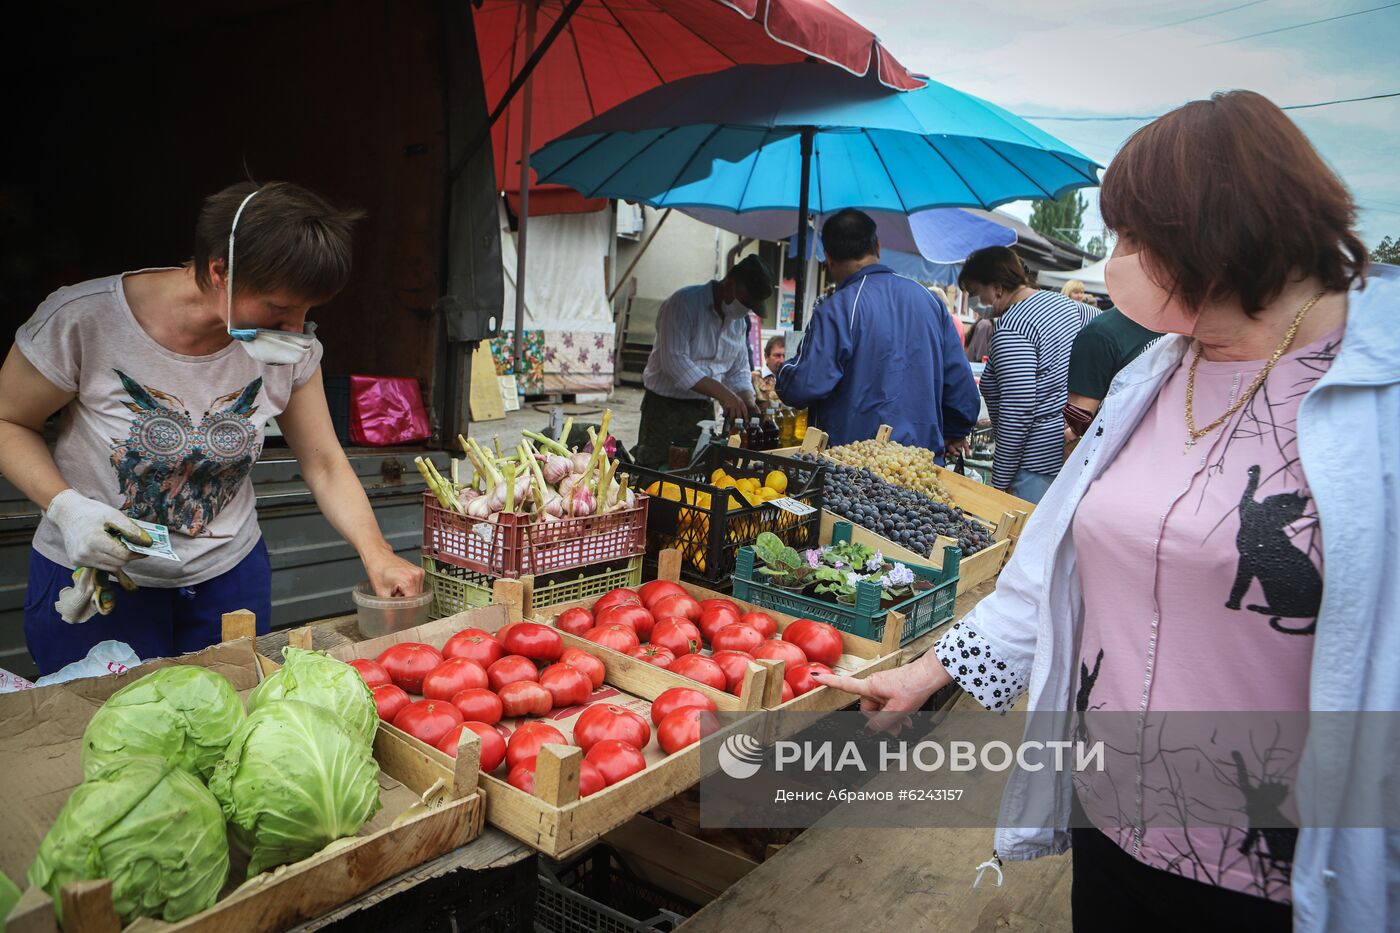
(653, 488)
(776, 481)
(718, 475)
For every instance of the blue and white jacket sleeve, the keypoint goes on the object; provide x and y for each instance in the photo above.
(821, 360)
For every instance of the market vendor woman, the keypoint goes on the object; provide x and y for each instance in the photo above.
(166, 379)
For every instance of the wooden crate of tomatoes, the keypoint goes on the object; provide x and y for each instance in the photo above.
(708, 637)
(573, 739)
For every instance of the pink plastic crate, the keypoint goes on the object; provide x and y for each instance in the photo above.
(510, 546)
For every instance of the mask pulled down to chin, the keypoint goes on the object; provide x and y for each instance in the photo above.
(734, 311)
(1144, 301)
(273, 347)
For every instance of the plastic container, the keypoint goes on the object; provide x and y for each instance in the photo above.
(923, 612)
(385, 615)
(456, 590)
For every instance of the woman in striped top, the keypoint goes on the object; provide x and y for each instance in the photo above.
(1025, 382)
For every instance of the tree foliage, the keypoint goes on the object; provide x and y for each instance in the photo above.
(1062, 219)
(1387, 251)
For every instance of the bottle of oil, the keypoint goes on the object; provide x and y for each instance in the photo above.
(736, 429)
(755, 434)
(787, 421)
(772, 437)
(799, 430)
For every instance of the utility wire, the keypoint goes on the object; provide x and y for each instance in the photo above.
(1191, 19)
(1139, 119)
(1329, 19)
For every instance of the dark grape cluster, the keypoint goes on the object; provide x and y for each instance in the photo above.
(908, 518)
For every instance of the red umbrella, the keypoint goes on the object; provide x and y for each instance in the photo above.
(612, 50)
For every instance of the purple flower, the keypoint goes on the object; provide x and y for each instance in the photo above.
(568, 340)
(876, 562)
(814, 558)
(583, 356)
(599, 342)
(852, 579)
(900, 576)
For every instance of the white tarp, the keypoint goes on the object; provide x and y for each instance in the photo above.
(564, 286)
(1091, 275)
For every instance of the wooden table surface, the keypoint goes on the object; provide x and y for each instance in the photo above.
(492, 849)
(844, 878)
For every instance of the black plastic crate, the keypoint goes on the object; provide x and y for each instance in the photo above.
(497, 900)
(692, 515)
(338, 401)
(597, 893)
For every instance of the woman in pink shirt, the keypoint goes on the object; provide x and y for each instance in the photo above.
(1199, 548)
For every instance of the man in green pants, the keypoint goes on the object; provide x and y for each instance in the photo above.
(701, 356)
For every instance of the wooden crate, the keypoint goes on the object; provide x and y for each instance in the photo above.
(555, 820)
(860, 657)
(407, 831)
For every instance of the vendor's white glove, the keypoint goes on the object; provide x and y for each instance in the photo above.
(81, 601)
(90, 530)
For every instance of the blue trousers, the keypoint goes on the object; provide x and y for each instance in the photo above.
(1030, 486)
(155, 622)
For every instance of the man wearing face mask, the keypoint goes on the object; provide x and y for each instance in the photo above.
(701, 356)
(165, 380)
(882, 349)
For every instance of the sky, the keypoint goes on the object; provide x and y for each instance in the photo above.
(1095, 58)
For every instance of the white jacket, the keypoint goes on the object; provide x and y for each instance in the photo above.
(1349, 442)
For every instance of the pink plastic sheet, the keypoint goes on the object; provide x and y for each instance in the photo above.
(386, 411)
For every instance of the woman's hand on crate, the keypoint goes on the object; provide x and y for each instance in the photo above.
(889, 697)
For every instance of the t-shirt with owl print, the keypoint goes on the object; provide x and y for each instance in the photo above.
(163, 437)
(1201, 565)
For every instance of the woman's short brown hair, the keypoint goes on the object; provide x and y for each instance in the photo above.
(994, 265)
(1229, 201)
(287, 238)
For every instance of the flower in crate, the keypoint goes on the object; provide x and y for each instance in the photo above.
(875, 563)
(900, 576)
(814, 557)
(853, 578)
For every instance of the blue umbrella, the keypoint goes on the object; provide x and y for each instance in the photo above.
(810, 138)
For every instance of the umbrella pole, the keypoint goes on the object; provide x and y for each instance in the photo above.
(808, 132)
(523, 227)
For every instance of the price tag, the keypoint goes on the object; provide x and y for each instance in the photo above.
(793, 506)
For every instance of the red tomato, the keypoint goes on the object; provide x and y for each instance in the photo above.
(590, 665)
(819, 641)
(721, 605)
(634, 617)
(371, 672)
(522, 775)
(528, 739)
(762, 622)
(569, 686)
(533, 640)
(575, 621)
(493, 747)
(452, 677)
(788, 692)
(479, 705)
(736, 637)
(799, 678)
(735, 665)
(409, 663)
(698, 667)
(590, 779)
(714, 621)
(617, 637)
(674, 698)
(474, 645)
(615, 760)
(618, 597)
(775, 649)
(388, 700)
(510, 669)
(653, 654)
(677, 604)
(657, 590)
(677, 635)
(685, 726)
(606, 721)
(428, 720)
(525, 698)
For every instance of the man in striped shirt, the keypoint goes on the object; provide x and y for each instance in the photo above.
(881, 350)
(1025, 382)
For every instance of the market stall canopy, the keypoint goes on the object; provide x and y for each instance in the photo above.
(1091, 275)
(610, 51)
(733, 140)
(942, 235)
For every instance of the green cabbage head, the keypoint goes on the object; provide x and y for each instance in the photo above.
(149, 826)
(313, 677)
(293, 780)
(184, 714)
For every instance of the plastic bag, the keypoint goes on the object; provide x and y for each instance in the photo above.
(387, 410)
(105, 657)
(9, 683)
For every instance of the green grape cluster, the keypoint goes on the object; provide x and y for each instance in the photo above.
(911, 467)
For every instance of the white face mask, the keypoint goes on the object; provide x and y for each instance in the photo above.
(733, 311)
(274, 347)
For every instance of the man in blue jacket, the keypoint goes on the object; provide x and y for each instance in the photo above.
(882, 350)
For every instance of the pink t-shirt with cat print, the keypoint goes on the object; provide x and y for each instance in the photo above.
(1201, 567)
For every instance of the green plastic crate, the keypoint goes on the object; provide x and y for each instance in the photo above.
(923, 612)
(456, 589)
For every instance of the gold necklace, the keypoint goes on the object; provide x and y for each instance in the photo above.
(1194, 433)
